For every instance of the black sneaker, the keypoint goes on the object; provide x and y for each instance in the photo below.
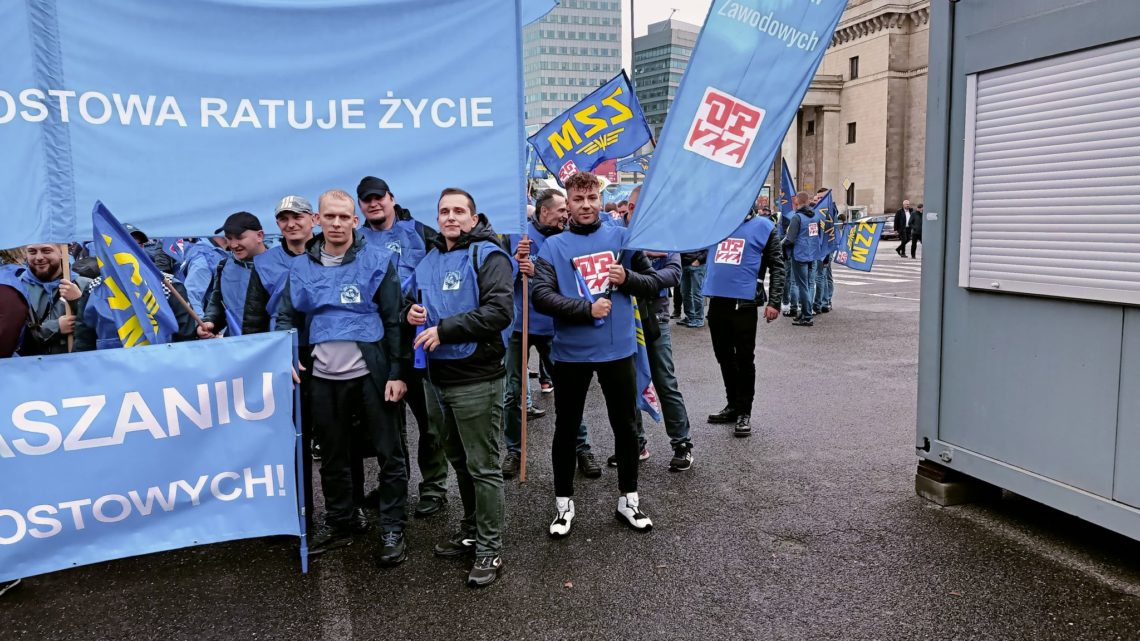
(430, 505)
(803, 322)
(825, 309)
(460, 544)
(315, 451)
(535, 412)
(743, 426)
(360, 523)
(511, 463)
(682, 458)
(726, 415)
(328, 538)
(485, 571)
(588, 465)
(393, 549)
(642, 455)
(675, 314)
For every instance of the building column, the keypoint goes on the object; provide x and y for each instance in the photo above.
(790, 148)
(833, 136)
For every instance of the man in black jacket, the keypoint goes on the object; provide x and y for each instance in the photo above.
(903, 218)
(582, 264)
(915, 230)
(462, 295)
(346, 293)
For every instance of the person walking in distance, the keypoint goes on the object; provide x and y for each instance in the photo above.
(902, 225)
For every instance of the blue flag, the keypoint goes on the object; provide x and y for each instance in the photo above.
(787, 190)
(646, 393)
(534, 10)
(859, 241)
(750, 69)
(139, 307)
(607, 124)
(831, 237)
(639, 164)
(617, 192)
(106, 106)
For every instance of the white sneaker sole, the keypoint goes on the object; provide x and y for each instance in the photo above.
(621, 517)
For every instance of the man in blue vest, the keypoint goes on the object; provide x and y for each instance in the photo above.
(805, 244)
(551, 214)
(390, 226)
(56, 304)
(735, 287)
(659, 347)
(824, 281)
(587, 263)
(295, 219)
(346, 292)
(465, 291)
(199, 262)
(226, 303)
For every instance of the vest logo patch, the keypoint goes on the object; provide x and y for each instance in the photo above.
(451, 281)
(395, 248)
(595, 270)
(813, 229)
(349, 294)
(730, 251)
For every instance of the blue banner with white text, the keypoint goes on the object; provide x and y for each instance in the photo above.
(607, 124)
(752, 65)
(168, 446)
(859, 242)
(176, 114)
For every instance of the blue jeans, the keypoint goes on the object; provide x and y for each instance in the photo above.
(512, 424)
(824, 284)
(804, 276)
(692, 282)
(668, 391)
(789, 297)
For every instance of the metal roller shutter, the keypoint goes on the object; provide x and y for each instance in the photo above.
(1051, 187)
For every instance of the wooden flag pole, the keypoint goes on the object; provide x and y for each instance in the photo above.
(525, 379)
(65, 260)
(187, 307)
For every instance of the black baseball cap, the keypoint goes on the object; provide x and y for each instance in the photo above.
(372, 186)
(239, 223)
(136, 232)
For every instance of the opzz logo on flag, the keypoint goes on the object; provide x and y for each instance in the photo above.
(595, 270)
(730, 251)
(568, 169)
(724, 128)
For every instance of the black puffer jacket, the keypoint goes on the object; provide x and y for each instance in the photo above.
(484, 324)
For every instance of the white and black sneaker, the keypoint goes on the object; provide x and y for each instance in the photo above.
(564, 520)
(628, 513)
(682, 458)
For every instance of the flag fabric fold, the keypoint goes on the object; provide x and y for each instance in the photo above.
(646, 393)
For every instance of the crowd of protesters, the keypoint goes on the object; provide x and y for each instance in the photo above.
(398, 318)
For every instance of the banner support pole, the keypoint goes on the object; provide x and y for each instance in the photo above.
(524, 380)
(65, 261)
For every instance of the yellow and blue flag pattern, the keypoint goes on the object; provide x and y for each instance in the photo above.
(646, 393)
(858, 243)
(606, 125)
(139, 308)
(638, 164)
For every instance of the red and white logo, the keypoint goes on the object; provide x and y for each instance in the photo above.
(595, 270)
(813, 229)
(724, 128)
(730, 251)
(569, 169)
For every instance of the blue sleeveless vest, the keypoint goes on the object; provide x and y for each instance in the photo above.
(591, 255)
(403, 240)
(448, 284)
(273, 269)
(809, 242)
(539, 324)
(734, 263)
(338, 301)
(235, 285)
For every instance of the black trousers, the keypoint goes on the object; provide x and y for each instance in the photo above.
(915, 239)
(619, 387)
(355, 410)
(733, 332)
(904, 238)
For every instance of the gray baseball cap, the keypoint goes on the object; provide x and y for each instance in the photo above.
(296, 204)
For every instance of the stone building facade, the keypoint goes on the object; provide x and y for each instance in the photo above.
(863, 121)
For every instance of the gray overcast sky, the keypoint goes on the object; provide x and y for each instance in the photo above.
(648, 11)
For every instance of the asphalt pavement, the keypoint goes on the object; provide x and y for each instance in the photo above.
(810, 529)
